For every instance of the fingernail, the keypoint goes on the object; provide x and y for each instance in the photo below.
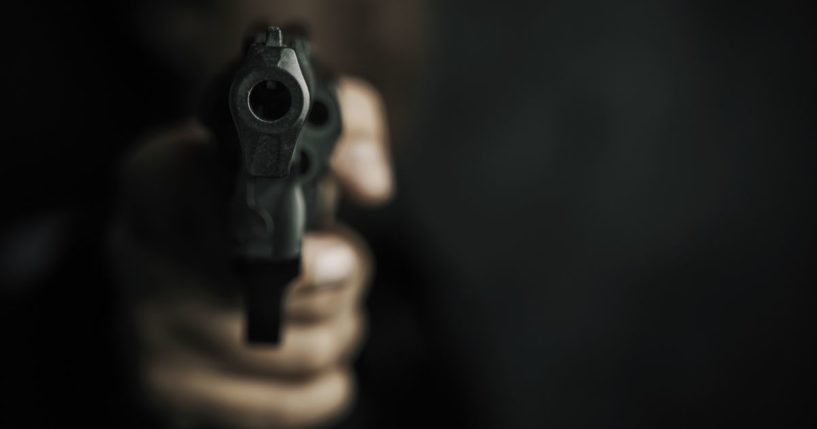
(333, 263)
(371, 173)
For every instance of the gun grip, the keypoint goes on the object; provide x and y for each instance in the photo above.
(265, 284)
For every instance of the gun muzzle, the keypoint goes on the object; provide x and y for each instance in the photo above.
(269, 102)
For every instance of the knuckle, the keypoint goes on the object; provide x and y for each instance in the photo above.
(318, 352)
(339, 397)
(326, 400)
(314, 308)
(330, 344)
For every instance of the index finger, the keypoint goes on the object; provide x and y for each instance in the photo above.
(362, 163)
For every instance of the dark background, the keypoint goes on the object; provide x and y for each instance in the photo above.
(606, 218)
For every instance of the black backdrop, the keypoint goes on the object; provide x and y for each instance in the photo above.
(618, 198)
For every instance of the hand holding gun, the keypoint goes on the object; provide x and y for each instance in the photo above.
(176, 247)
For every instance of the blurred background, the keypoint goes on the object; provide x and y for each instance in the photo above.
(605, 212)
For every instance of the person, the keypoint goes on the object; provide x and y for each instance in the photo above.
(178, 328)
(168, 249)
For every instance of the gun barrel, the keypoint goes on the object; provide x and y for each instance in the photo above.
(283, 124)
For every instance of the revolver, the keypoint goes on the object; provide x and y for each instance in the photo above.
(276, 114)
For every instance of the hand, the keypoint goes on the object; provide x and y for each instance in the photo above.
(171, 259)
